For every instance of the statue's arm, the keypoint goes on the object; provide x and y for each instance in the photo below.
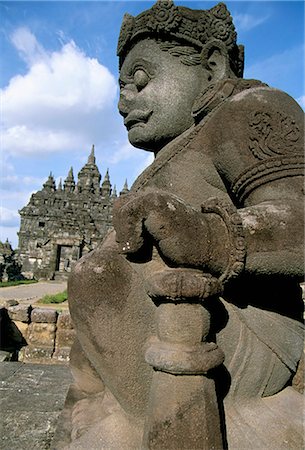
(274, 231)
(257, 146)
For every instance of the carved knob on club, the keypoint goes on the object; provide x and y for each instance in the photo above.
(183, 322)
(179, 285)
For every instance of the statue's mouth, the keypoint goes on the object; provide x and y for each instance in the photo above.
(136, 118)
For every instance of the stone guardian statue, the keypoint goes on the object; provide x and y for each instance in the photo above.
(189, 313)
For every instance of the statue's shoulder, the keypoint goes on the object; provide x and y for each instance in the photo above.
(239, 108)
(256, 135)
(261, 116)
(252, 94)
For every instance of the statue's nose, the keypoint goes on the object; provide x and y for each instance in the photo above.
(127, 95)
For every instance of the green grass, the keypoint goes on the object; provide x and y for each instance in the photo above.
(56, 298)
(16, 283)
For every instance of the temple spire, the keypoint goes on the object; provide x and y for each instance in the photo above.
(89, 172)
(49, 185)
(106, 185)
(114, 192)
(59, 188)
(91, 158)
(125, 189)
(69, 183)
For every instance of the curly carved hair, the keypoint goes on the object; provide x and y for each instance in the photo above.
(191, 56)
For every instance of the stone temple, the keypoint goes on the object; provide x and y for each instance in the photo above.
(9, 265)
(60, 224)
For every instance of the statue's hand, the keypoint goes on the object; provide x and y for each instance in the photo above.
(179, 231)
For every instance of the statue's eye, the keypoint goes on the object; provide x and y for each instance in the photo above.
(140, 79)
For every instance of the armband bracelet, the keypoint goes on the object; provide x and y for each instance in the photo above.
(237, 248)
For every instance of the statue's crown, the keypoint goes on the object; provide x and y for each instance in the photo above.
(167, 21)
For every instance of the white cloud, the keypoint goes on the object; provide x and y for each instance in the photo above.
(31, 140)
(27, 45)
(123, 152)
(13, 182)
(8, 217)
(246, 22)
(16, 198)
(59, 103)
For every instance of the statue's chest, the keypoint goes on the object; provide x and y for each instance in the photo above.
(189, 173)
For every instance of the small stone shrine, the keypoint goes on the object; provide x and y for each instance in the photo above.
(10, 269)
(60, 224)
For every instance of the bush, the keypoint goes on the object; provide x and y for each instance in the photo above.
(56, 298)
(16, 282)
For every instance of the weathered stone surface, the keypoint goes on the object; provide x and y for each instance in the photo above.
(20, 312)
(31, 398)
(34, 353)
(299, 378)
(62, 354)
(38, 339)
(5, 356)
(23, 327)
(42, 334)
(65, 338)
(224, 196)
(64, 321)
(44, 315)
(21, 354)
(10, 302)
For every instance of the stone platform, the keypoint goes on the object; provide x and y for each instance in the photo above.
(31, 398)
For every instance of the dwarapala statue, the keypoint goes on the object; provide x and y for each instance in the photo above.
(210, 238)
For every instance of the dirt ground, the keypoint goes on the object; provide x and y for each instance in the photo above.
(31, 293)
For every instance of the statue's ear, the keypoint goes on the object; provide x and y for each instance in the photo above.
(215, 60)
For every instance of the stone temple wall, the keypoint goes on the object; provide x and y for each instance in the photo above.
(35, 334)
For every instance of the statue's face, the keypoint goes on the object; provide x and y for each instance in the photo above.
(157, 93)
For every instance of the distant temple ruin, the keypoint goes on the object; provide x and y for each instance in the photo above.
(60, 224)
(10, 269)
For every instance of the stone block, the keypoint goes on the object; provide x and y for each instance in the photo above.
(65, 338)
(20, 312)
(10, 302)
(37, 353)
(23, 327)
(44, 315)
(21, 354)
(64, 321)
(62, 354)
(42, 334)
(5, 356)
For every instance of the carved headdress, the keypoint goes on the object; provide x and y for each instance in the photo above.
(197, 28)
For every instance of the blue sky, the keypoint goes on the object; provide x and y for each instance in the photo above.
(59, 91)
